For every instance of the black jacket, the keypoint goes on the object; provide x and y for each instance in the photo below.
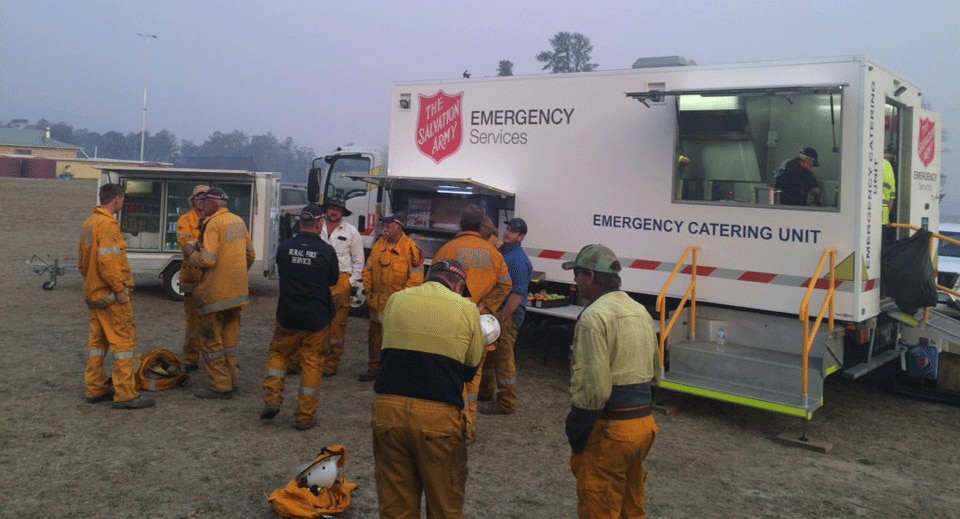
(308, 267)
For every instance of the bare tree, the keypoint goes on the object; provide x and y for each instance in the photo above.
(505, 68)
(571, 53)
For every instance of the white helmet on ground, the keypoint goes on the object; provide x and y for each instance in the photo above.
(491, 328)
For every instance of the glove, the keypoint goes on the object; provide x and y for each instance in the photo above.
(579, 424)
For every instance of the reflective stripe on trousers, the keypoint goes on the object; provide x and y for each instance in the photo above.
(112, 329)
(218, 350)
(284, 344)
(338, 327)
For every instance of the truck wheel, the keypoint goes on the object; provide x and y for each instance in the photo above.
(171, 282)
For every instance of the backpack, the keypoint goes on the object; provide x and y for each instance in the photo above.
(160, 370)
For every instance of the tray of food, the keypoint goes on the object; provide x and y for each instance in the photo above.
(543, 299)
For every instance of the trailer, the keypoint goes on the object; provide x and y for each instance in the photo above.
(156, 197)
(675, 168)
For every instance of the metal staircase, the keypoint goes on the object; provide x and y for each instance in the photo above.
(771, 362)
(758, 366)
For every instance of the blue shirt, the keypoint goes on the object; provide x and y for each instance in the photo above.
(518, 263)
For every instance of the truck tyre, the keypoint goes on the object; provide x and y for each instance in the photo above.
(171, 282)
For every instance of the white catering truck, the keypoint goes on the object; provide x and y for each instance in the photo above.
(156, 197)
(675, 169)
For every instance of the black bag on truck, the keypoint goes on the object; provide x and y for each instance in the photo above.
(906, 273)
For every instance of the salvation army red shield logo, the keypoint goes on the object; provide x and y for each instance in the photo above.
(440, 125)
(927, 141)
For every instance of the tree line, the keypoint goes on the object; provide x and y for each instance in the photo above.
(233, 150)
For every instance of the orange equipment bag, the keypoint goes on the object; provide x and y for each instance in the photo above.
(301, 500)
(160, 370)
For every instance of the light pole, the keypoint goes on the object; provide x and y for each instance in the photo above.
(143, 123)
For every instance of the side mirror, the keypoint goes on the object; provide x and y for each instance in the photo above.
(313, 185)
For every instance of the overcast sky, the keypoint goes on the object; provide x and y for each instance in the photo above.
(320, 71)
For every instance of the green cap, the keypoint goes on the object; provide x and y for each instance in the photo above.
(595, 257)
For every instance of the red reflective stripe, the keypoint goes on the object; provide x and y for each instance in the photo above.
(551, 254)
(645, 264)
(701, 270)
(757, 277)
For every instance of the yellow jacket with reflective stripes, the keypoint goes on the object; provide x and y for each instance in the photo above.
(390, 268)
(225, 255)
(487, 274)
(188, 230)
(103, 259)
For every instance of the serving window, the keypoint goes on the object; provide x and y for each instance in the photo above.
(732, 145)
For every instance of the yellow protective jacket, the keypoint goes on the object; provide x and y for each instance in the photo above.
(188, 230)
(487, 274)
(296, 500)
(225, 255)
(390, 268)
(103, 259)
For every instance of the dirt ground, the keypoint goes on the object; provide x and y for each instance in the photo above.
(190, 458)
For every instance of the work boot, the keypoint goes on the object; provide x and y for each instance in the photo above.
(490, 408)
(367, 376)
(190, 367)
(329, 373)
(105, 397)
(269, 412)
(209, 394)
(306, 425)
(137, 403)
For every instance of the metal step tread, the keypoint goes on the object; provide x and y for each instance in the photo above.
(945, 324)
(796, 401)
(750, 353)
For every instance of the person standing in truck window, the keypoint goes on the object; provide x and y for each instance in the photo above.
(345, 239)
(889, 197)
(614, 358)
(188, 234)
(797, 184)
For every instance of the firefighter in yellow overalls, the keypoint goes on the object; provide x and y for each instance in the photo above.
(225, 254)
(107, 283)
(188, 234)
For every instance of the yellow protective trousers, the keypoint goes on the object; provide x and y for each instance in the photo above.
(610, 472)
(338, 327)
(374, 343)
(284, 344)
(418, 449)
(191, 334)
(112, 330)
(500, 370)
(218, 348)
(470, 393)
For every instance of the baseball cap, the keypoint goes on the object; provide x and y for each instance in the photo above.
(199, 189)
(214, 193)
(311, 212)
(452, 266)
(597, 258)
(518, 224)
(811, 154)
(392, 218)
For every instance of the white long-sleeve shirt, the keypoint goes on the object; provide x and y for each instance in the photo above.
(345, 239)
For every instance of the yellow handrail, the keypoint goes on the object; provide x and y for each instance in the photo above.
(810, 334)
(690, 294)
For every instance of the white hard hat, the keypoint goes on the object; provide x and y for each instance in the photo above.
(491, 328)
(320, 474)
